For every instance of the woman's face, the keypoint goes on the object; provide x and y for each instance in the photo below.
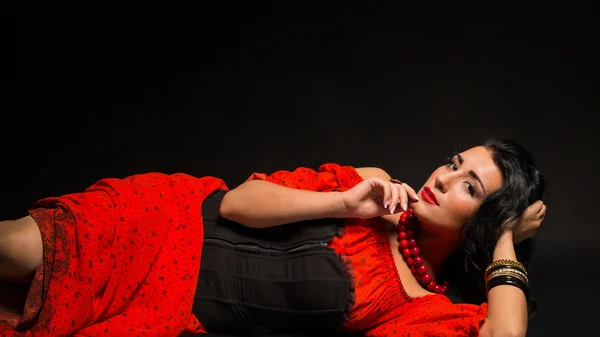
(452, 193)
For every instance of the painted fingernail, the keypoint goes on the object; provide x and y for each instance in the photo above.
(404, 206)
(385, 205)
(392, 209)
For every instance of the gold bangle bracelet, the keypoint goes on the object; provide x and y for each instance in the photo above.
(494, 275)
(507, 262)
(509, 270)
(503, 266)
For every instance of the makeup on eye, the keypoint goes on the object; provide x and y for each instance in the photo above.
(470, 189)
(454, 167)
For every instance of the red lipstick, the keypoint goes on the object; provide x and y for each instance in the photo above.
(429, 196)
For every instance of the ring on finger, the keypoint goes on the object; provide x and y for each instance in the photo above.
(396, 181)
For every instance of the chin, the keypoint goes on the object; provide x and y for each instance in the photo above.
(420, 212)
(419, 208)
(427, 219)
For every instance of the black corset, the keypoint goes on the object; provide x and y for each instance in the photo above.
(280, 278)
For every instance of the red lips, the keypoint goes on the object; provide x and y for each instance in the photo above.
(429, 196)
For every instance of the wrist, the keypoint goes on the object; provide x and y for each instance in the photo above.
(505, 247)
(507, 236)
(339, 208)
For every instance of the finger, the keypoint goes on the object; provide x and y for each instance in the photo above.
(411, 192)
(387, 193)
(542, 209)
(395, 195)
(533, 210)
(403, 197)
(542, 213)
(537, 206)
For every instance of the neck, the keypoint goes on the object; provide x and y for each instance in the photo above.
(435, 250)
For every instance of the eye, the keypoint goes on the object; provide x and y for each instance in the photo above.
(452, 165)
(470, 188)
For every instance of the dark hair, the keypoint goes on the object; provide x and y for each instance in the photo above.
(523, 184)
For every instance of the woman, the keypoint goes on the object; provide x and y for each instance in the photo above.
(127, 257)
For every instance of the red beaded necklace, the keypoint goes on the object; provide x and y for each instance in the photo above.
(412, 254)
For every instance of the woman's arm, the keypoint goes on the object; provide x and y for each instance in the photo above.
(507, 305)
(259, 204)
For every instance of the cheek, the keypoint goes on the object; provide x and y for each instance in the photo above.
(462, 209)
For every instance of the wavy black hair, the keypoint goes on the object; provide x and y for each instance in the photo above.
(523, 184)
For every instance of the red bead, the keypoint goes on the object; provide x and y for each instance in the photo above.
(418, 261)
(415, 251)
(411, 252)
(426, 279)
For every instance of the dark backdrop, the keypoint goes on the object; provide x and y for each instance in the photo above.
(231, 89)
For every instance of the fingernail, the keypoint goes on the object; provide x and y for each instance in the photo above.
(385, 205)
(392, 209)
(404, 206)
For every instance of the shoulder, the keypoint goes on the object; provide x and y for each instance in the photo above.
(368, 172)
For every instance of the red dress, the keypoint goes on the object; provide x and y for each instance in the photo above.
(382, 306)
(122, 259)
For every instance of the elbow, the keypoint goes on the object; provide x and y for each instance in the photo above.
(232, 210)
(227, 208)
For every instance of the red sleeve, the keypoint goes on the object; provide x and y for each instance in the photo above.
(433, 315)
(329, 177)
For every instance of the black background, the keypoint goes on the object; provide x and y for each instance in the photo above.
(227, 89)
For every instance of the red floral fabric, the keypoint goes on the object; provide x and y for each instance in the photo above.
(120, 259)
(382, 306)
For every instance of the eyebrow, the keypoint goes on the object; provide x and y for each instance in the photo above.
(471, 172)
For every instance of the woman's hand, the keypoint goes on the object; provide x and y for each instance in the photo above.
(529, 222)
(375, 197)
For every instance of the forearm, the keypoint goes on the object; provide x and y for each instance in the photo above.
(260, 204)
(507, 305)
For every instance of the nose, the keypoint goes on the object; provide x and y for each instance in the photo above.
(443, 181)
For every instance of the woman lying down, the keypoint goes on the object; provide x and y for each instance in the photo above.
(338, 249)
